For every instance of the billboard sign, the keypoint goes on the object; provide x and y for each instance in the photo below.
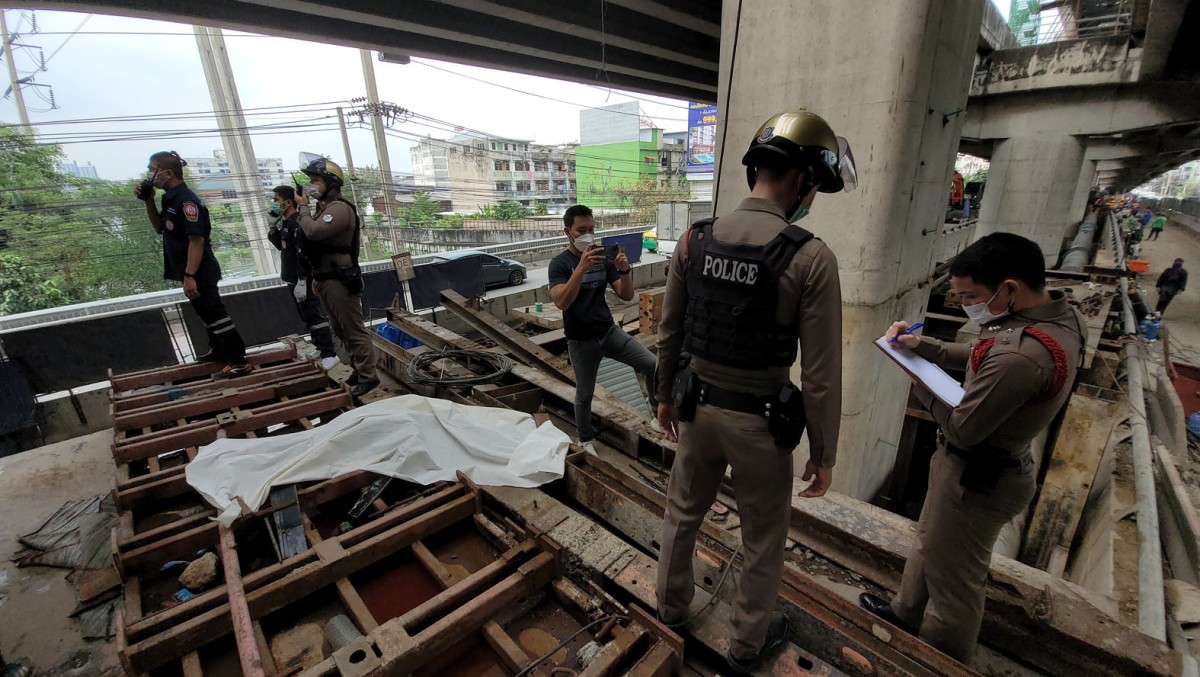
(702, 137)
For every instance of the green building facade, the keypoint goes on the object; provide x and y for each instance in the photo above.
(607, 174)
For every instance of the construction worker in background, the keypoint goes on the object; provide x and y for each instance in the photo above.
(1170, 282)
(286, 236)
(1156, 226)
(1020, 373)
(578, 277)
(743, 292)
(331, 248)
(188, 258)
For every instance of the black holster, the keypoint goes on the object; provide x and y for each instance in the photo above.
(685, 390)
(350, 276)
(981, 473)
(787, 418)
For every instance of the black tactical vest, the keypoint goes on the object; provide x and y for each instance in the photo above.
(733, 299)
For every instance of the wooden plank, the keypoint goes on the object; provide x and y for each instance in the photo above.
(273, 374)
(239, 610)
(513, 341)
(549, 337)
(166, 635)
(549, 317)
(1070, 473)
(174, 374)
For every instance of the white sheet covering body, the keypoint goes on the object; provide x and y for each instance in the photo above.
(411, 438)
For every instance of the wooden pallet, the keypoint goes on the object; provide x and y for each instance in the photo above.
(430, 580)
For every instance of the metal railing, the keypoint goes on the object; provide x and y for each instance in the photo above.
(1065, 20)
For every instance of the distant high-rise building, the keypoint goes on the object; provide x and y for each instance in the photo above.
(87, 170)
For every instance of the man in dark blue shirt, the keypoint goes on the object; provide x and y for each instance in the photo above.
(288, 238)
(578, 278)
(188, 257)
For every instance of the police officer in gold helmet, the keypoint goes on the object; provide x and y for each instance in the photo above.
(332, 239)
(743, 293)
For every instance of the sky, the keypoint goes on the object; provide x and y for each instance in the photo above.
(104, 66)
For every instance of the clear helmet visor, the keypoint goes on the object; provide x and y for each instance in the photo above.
(849, 172)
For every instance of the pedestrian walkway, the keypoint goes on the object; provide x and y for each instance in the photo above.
(1183, 315)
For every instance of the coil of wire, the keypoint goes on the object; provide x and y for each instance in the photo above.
(485, 367)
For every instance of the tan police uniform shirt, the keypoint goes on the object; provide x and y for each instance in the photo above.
(809, 293)
(1003, 404)
(333, 225)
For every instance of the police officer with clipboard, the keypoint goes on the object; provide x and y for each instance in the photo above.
(743, 292)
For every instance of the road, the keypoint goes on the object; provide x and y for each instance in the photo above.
(1183, 315)
(539, 275)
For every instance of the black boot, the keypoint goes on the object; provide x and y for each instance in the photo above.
(364, 387)
(877, 606)
(777, 634)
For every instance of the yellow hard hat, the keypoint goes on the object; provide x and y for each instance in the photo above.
(802, 139)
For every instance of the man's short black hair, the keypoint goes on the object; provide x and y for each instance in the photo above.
(1002, 256)
(286, 192)
(169, 159)
(572, 212)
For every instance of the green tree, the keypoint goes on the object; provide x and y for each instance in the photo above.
(642, 198)
(22, 289)
(510, 210)
(541, 209)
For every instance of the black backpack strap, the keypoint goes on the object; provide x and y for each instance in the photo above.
(355, 241)
(784, 247)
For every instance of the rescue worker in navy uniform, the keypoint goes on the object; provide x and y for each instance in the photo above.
(286, 236)
(331, 247)
(742, 291)
(1020, 373)
(188, 258)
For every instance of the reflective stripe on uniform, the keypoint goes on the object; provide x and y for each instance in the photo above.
(318, 326)
(216, 323)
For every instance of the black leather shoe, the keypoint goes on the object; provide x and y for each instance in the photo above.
(777, 634)
(877, 606)
(364, 387)
(353, 379)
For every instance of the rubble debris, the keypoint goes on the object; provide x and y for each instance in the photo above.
(200, 573)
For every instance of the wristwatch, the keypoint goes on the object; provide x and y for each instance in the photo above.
(191, 275)
(625, 272)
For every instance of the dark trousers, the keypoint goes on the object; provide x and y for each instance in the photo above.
(1165, 294)
(223, 337)
(1154, 234)
(585, 361)
(314, 319)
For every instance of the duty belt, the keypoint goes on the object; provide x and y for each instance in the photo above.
(716, 396)
(994, 456)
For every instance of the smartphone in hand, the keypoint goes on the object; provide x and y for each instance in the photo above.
(611, 251)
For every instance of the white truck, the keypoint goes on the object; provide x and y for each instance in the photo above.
(674, 218)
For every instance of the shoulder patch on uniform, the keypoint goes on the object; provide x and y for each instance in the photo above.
(328, 218)
(190, 211)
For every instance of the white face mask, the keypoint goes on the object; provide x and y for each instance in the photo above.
(584, 241)
(980, 314)
(313, 190)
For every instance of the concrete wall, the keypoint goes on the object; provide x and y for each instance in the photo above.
(889, 80)
(430, 240)
(1071, 63)
(1184, 211)
(471, 185)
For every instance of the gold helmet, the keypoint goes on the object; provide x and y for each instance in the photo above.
(802, 139)
(326, 169)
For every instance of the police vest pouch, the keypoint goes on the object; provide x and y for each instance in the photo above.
(787, 419)
(685, 392)
(350, 276)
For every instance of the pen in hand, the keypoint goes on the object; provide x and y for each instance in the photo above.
(907, 331)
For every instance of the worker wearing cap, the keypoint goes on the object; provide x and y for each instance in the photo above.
(331, 248)
(188, 258)
(1019, 374)
(744, 291)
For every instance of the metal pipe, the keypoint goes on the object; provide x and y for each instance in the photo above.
(1152, 609)
(1081, 247)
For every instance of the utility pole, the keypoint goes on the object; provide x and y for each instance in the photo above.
(13, 81)
(352, 178)
(236, 139)
(381, 149)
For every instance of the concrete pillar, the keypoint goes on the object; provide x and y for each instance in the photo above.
(1083, 188)
(1030, 189)
(892, 78)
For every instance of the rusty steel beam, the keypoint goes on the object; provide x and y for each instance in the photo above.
(164, 375)
(511, 340)
(122, 402)
(239, 611)
(215, 401)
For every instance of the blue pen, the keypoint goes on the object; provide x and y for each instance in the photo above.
(908, 331)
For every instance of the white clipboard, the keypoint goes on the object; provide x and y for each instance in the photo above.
(942, 385)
